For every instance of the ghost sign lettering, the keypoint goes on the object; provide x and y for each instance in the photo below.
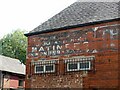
(73, 42)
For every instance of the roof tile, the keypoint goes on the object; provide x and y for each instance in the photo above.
(80, 13)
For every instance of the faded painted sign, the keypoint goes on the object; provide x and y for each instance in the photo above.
(90, 40)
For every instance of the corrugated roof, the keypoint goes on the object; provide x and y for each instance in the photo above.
(81, 13)
(11, 65)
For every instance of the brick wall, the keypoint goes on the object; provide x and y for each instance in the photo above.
(100, 40)
(106, 72)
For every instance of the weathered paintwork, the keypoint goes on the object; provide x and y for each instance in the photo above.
(100, 41)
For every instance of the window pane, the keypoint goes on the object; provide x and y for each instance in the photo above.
(39, 68)
(21, 82)
(72, 66)
(49, 68)
(84, 65)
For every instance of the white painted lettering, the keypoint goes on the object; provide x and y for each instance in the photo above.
(34, 49)
(48, 48)
(58, 47)
(41, 49)
(53, 47)
(46, 43)
(66, 45)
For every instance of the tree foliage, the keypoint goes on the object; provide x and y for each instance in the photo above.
(14, 45)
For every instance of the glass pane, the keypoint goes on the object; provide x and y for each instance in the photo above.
(21, 82)
(72, 66)
(84, 65)
(39, 68)
(49, 67)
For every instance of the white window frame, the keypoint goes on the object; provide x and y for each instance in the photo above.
(72, 69)
(44, 68)
(85, 68)
(78, 66)
(51, 70)
(39, 71)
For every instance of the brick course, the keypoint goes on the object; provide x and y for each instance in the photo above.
(106, 65)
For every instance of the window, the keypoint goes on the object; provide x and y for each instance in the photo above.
(84, 65)
(72, 66)
(76, 66)
(39, 69)
(45, 68)
(49, 68)
(21, 82)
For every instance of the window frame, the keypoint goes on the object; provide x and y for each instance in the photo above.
(20, 83)
(72, 69)
(78, 66)
(85, 68)
(44, 68)
(39, 71)
(51, 70)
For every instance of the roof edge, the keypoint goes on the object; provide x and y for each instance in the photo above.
(19, 74)
(70, 27)
(97, 1)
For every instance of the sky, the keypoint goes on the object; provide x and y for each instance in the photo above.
(28, 14)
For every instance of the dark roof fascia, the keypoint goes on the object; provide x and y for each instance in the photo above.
(11, 73)
(70, 27)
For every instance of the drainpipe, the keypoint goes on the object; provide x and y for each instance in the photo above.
(1, 80)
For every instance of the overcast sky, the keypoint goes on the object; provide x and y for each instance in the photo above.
(28, 14)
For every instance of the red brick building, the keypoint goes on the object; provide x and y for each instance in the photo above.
(12, 74)
(77, 48)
